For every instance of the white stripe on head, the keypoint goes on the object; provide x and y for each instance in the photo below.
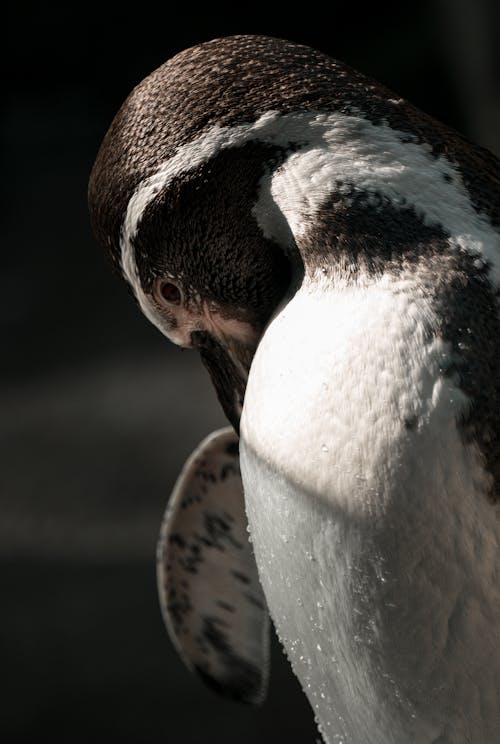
(187, 158)
(335, 152)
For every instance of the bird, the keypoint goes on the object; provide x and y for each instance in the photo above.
(333, 253)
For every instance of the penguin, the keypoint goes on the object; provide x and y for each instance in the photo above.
(333, 253)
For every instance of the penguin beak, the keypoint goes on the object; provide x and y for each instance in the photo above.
(228, 362)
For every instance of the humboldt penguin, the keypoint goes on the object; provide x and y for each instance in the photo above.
(333, 253)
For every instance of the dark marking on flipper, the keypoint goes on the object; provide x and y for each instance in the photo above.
(210, 594)
(241, 677)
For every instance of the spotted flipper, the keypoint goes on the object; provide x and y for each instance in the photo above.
(210, 594)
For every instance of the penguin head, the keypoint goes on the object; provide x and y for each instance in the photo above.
(203, 264)
(193, 198)
(172, 196)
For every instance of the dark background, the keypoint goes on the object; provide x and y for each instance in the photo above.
(98, 412)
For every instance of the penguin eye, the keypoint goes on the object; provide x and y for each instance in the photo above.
(171, 293)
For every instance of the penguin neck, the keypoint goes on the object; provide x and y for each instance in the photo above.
(345, 181)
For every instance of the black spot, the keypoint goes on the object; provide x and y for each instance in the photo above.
(225, 606)
(241, 680)
(207, 476)
(215, 635)
(177, 539)
(188, 501)
(241, 577)
(191, 561)
(218, 531)
(233, 449)
(411, 422)
(214, 525)
(227, 470)
(178, 606)
(254, 601)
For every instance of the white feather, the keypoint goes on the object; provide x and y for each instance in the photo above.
(376, 544)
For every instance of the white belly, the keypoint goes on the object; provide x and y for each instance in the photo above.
(376, 546)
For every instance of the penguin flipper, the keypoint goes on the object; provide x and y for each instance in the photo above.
(211, 598)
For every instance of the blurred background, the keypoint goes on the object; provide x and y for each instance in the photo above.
(98, 412)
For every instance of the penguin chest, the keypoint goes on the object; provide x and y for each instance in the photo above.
(365, 528)
(305, 557)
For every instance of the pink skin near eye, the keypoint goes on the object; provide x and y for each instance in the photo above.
(179, 321)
